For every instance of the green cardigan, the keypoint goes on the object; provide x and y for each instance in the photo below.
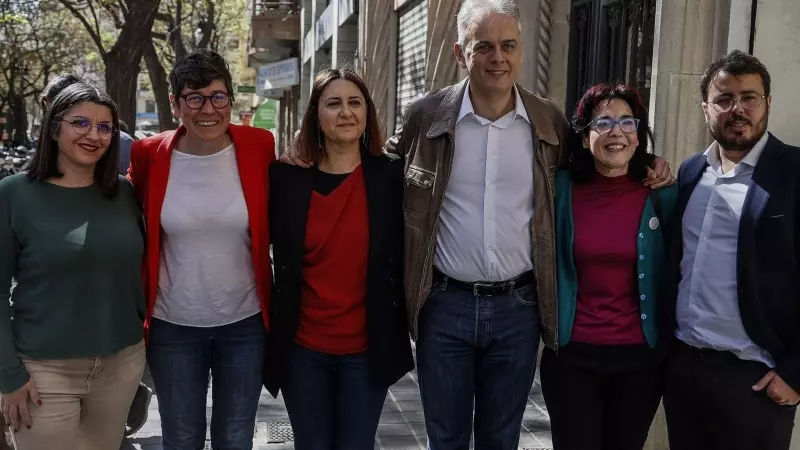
(650, 266)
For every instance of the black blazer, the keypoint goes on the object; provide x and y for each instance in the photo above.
(388, 341)
(767, 258)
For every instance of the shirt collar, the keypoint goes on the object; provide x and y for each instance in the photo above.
(751, 159)
(467, 108)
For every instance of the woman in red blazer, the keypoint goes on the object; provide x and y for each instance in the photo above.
(204, 193)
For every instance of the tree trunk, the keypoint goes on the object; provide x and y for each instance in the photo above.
(158, 79)
(123, 60)
(121, 86)
(20, 121)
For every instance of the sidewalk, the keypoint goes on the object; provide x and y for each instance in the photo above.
(402, 425)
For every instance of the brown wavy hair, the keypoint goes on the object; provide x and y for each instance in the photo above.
(309, 145)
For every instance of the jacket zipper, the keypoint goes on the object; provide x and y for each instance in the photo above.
(550, 196)
(427, 263)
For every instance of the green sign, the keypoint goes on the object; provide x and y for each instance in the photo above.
(265, 115)
(245, 89)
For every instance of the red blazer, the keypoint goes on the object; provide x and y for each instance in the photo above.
(149, 172)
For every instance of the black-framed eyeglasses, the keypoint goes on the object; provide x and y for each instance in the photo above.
(748, 101)
(83, 126)
(603, 125)
(219, 100)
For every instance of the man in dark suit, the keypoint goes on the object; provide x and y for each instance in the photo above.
(733, 373)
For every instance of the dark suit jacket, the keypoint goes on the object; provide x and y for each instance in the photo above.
(768, 254)
(388, 342)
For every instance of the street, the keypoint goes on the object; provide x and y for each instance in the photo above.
(401, 428)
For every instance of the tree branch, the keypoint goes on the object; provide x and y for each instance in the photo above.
(95, 36)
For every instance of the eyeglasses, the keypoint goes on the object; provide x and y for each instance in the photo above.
(219, 100)
(748, 101)
(83, 126)
(604, 124)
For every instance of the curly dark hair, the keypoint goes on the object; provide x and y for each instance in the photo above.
(581, 161)
(197, 70)
(736, 62)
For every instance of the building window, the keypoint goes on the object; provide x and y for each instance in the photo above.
(149, 106)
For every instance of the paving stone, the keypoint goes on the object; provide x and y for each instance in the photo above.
(402, 424)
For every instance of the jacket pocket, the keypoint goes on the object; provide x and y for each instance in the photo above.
(419, 189)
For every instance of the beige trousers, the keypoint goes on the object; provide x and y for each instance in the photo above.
(85, 402)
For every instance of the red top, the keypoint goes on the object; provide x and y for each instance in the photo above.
(332, 314)
(149, 173)
(607, 213)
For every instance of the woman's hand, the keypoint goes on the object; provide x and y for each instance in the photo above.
(15, 405)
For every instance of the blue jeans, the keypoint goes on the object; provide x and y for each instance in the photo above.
(476, 352)
(180, 359)
(332, 401)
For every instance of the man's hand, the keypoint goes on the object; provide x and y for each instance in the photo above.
(15, 406)
(777, 389)
(290, 157)
(660, 175)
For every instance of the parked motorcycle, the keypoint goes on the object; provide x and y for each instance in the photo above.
(14, 160)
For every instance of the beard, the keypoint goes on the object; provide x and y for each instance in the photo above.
(737, 141)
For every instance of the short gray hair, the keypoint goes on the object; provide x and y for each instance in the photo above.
(472, 11)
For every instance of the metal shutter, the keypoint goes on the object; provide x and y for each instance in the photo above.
(412, 35)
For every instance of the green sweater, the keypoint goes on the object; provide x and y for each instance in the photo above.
(651, 264)
(76, 257)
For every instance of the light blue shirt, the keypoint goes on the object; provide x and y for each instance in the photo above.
(125, 142)
(708, 302)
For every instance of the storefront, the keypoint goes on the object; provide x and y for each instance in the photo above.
(412, 35)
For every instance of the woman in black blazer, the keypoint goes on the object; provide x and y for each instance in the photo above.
(339, 336)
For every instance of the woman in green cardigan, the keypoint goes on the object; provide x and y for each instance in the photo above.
(602, 387)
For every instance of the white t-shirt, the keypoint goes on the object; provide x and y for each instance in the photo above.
(206, 276)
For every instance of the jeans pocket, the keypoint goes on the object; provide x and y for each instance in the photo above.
(526, 295)
(436, 289)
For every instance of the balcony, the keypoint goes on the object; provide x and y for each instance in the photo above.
(274, 31)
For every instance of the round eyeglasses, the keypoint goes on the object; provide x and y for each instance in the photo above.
(603, 125)
(748, 101)
(83, 126)
(219, 100)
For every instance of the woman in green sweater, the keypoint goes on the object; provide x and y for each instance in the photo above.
(71, 335)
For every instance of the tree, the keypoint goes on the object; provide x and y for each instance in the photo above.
(183, 26)
(131, 22)
(36, 40)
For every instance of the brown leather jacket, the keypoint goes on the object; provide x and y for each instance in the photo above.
(427, 141)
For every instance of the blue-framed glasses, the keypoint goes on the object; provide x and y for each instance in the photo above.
(83, 126)
(605, 124)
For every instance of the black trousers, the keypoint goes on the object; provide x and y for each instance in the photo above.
(710, 405)
(599, 404)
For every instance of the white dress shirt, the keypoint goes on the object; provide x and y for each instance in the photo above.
(485, 222)
(708, 296)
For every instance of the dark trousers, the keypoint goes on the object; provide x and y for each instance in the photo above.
(332, 402)
(180, 360)
(710, 405)
(481, 352)
(593, 407)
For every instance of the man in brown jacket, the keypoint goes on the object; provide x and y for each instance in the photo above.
(480, 271)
